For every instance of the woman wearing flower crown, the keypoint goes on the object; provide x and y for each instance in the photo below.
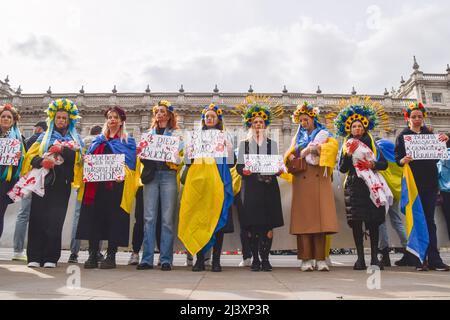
(9, 174)
(48, 213)
(106, 206)
(313, 211)
(260, 193)
(354, 123)
(426, 177)
(160, 189)
(205, 213)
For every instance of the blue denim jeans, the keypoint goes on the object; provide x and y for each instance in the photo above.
(74, 243)
(163, 187)
(397, 223)
(22, 224)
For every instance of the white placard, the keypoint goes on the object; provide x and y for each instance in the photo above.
(104, 167)
(159, 147)
(10, 152)
(264, 163)
(206, 144)
(425, 146)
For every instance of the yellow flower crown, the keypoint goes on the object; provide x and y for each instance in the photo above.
(355, 117)
(212, 107)
(307, 109)
(163, 103)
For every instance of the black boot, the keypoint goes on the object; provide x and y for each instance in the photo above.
(92, 261)
(385, 260)
(360, 263)
(254, 245)
(200, 263)
(407, 260)
(264, 251)
(217, 251)
(374, 261)
(109, 262)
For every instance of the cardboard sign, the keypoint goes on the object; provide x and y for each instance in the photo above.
(425, 146)
(206, 144)
(104, 167)
(10, 152)
(159, 148)
(264, 163)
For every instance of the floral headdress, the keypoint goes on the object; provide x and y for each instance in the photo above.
(258, 106)
(66, 105)
(414, 106)
(60, 105)
(164, 103)
(215, 108)
(307, 109)
(370, 114)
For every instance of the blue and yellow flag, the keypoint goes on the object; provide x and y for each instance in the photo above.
(416, 225)
(393, 174)
(206, 199)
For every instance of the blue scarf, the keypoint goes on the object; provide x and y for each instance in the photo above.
(49, 137)
(118, 147)
(303, 138)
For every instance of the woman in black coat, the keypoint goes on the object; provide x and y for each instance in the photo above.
(426, 177)
(262, 211)
(359, 207)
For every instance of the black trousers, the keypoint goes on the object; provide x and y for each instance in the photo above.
(5, 187)
(428, 198)
(446, 209)
(46, 223)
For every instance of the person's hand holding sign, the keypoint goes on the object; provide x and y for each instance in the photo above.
(443, 137)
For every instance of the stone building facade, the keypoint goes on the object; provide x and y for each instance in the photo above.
(432, 89)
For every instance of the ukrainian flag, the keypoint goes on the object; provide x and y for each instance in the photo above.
(393, 174)
(206, 200)
(416, 225)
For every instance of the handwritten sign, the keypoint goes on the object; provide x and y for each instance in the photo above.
(104, 167)
(159, 148)
(425, 146)
(10, 152)
(206, 144)
(264, 163)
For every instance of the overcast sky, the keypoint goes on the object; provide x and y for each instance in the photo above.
(234, 43)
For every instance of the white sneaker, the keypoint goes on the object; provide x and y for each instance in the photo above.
(322, 266)
(49, 265)
(307, 266)
(134, 259)
(19, 256)
(33, 265)
(246, 262)
(329, 262)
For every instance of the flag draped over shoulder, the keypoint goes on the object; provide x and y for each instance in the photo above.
(416, 225)
(393, 174)
(206, 199)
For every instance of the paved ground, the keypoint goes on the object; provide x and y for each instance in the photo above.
(285, 282)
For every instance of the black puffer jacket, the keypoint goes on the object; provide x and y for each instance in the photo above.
(358, 205)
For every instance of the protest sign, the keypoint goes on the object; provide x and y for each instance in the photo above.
(159, 148)
(104, 167)
(264, 163)
(206, 144)
(425, 146)
(10, 152)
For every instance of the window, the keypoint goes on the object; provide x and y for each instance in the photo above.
(436, 97)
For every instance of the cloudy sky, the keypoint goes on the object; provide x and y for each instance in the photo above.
(234, 43)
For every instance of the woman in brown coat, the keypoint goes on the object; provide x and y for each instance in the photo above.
(313, 211)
